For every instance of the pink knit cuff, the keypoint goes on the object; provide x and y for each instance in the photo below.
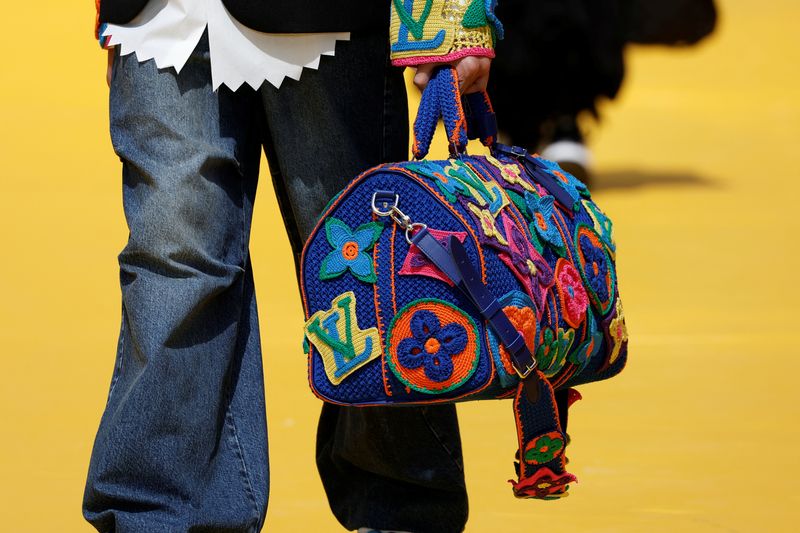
(453, 56)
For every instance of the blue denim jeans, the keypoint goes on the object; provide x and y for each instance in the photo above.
(182, 443)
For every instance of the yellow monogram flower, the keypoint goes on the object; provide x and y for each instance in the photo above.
(618, 331)
(511, 174)
(488, 224)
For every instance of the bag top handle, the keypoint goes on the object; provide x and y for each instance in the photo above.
(467, 117)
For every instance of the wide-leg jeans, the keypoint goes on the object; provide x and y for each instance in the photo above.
(182, 443)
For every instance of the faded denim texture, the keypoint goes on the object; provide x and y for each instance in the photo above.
(182, 444)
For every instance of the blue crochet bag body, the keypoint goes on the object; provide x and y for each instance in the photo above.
(469, 278)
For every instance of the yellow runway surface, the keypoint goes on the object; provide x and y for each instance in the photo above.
(699, 167)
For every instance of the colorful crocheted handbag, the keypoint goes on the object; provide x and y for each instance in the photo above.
(470, 278)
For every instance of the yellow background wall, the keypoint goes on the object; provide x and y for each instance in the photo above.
(699, 166)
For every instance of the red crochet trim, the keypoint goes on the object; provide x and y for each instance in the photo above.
(573, 396)
(421, 60)
(543, 484)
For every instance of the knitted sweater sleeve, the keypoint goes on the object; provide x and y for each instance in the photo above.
(427, 31)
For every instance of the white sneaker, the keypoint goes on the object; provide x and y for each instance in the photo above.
(573, 156)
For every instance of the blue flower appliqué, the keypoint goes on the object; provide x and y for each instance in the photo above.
(571, 184)
(596, 267)
(543, 222)
(590, 347)
(432, 346)
(602, 224)
(350, 250)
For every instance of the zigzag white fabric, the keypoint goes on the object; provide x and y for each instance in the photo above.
(167, 31)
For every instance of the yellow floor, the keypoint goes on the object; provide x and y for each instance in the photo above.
(698, 166)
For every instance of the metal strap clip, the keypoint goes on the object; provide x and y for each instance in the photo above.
(393, 211)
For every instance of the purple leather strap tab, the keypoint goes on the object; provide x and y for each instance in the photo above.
(384, 200)
(492, 309)
(516, 345)
(532, 167)
(551, 184)
(534, 403)
(455, 264)
(511, 151)
(473, 286)
(437, 254)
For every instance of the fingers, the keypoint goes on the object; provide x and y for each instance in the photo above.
(423, 75)
(473, 73)
(467, 69)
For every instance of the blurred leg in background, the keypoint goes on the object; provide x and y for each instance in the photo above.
(557, 59)
(560, 58)
(668, 22)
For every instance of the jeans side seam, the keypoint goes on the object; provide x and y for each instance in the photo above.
(120, 357)
(229, 419)
(243, 472)
(245, 238)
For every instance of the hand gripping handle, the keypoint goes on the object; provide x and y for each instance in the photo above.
(467, 117)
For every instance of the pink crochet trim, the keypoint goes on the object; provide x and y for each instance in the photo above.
(421, 60)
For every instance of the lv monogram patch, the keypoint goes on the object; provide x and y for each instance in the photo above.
(419, 27)
(487, 194)
(344, 347)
